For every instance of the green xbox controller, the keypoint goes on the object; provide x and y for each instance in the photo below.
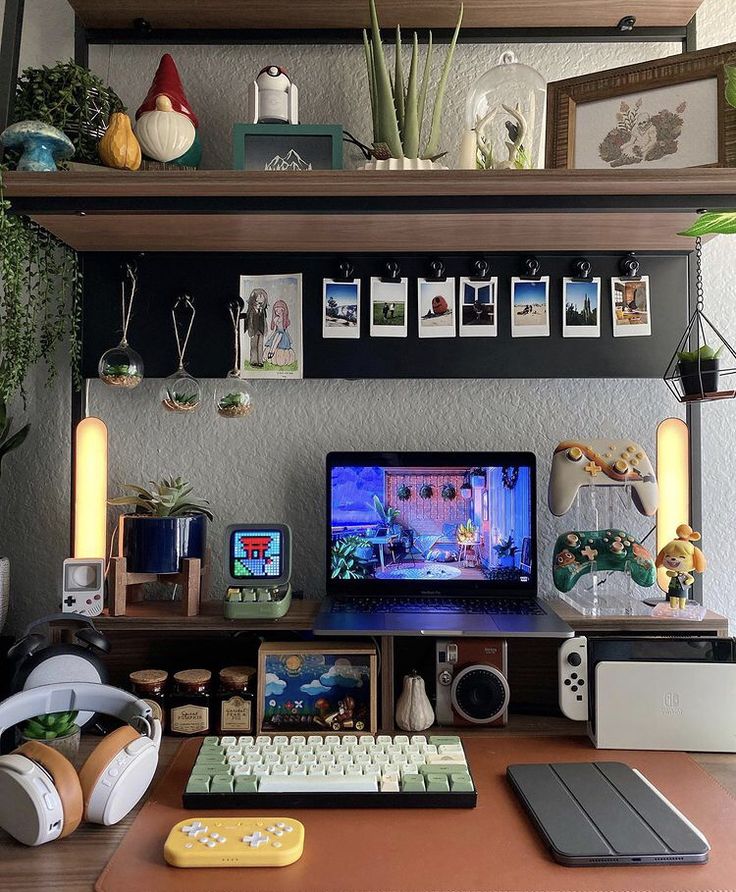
(577, 553)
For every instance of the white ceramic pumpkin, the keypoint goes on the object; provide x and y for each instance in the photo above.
(164, 134)
(413, 710)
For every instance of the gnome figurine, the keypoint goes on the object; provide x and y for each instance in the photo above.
(166, 126)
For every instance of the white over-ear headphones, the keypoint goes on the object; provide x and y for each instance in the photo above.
(42, 797)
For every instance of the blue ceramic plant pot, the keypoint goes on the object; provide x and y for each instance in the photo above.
(160, 544)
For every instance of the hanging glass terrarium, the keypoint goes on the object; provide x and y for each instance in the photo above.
(703, 366)
(232, 397)
(121, 366)
(181, 392)
(504, 118)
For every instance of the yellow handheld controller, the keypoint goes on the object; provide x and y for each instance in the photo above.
(234, 842)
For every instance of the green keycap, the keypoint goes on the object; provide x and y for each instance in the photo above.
(445, 741)
(211, 760)
(198, 785)
(460, 782)
(437, 783)
(246, 783)
(221, 783)
(206, 770)
(445, 770)
(210, 740)
(412, 783)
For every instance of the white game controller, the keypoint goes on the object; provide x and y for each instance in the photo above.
(573, 678)
(601, 463)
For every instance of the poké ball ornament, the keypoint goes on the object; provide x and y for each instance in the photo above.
(504, 118)
(232, 397)
(121, 366)
(273, 98)
(181, 392)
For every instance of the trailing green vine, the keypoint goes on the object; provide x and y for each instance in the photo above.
(40, 300)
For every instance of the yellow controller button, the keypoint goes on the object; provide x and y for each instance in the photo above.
(575, 453)
(621, 465)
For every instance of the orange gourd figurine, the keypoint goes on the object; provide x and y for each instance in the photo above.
(119, 147)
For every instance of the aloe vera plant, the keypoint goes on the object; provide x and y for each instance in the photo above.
(170, 497)
(399, 110)
(50, 726)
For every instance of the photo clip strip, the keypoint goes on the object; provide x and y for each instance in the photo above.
(438, 271)
(347, 272)
(393, 272)
(582, 270)
(629, 267)
(531, 269)
(482, 270)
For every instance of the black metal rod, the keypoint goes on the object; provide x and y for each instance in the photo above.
(10, 58)
(693, 419)
(81, 44)
(291, 36)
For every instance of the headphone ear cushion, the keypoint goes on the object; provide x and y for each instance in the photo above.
(94, 639)
(65, 780)
(26, 646)
(101, 762)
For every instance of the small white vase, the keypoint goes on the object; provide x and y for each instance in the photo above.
(4, 590)
(403, 164)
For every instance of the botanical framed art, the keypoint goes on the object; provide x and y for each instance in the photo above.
(581, 308)
(436, 302)
(667, 113)
(631, 307)
(478, 312)
(287, 147)
(340, 309)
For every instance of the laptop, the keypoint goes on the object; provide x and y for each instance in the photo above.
(433, 543)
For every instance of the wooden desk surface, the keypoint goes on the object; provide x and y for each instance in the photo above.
(74, 864)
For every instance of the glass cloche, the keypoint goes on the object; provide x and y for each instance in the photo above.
(505, 110)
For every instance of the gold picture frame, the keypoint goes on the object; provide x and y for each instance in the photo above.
(567, 102)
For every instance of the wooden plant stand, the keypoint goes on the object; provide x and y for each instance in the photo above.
(126, 586)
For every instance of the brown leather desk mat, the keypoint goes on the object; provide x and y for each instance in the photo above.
(491, 848)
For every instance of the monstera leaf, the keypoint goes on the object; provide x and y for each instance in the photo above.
(713, 223)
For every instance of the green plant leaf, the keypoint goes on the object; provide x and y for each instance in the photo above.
(434, 133)
(410, 132)
(425, 85)
(399, 98)
(712, 223)
(386, 109)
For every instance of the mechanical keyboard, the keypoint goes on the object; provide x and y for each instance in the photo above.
(330, 771)
(488, 606)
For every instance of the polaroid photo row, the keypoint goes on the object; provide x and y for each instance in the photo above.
(471, 309)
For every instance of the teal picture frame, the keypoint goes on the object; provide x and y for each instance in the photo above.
(257, 146)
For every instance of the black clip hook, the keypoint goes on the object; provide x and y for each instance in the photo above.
(236, 305)
(531, 268)
(481, 268)
(630, 266)
(393, 272)
(347, 271)
(583, 270)
(438, 271)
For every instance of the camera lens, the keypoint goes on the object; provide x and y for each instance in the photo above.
(479, 694)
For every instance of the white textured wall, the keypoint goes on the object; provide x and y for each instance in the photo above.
(271, 466)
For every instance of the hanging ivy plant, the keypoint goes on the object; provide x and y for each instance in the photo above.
(40, 300)
(403, 493)
(425, 491)
(449, 493)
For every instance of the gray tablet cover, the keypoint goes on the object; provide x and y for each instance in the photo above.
(593, 813)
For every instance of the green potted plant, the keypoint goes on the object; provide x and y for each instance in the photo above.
(70, 97)
(403, 493)
(169, 524)
(386, 514)
(699, 369)
(506, 551)
(8, 442)
(449, 493)
(350, 557)
(398, 111)
(59, 730)
(426, 491)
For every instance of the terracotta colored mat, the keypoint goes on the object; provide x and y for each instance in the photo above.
(492, 848)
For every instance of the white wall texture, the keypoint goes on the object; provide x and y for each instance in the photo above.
(271, 466)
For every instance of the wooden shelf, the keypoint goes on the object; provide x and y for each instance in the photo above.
(343, 211)
(353, 14)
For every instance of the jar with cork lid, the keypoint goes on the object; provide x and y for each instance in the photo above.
(235, 699)
(150, 686)
(190, 702)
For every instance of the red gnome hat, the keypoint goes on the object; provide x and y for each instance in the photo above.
(167, 82)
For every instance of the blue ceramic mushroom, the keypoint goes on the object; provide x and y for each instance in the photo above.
(41, 145)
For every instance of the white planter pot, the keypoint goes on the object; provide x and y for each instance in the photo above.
(404, 164)
(4, 590)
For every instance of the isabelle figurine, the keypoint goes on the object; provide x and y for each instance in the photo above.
(681, 559)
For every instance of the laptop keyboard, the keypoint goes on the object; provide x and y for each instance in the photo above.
(486, 606)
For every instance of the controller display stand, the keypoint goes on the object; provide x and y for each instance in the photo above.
(605, 592)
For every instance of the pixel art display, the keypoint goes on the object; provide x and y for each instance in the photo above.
(256, 554)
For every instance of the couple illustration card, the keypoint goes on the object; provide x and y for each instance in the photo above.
(271, 326)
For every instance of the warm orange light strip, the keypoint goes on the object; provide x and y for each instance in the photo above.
(673, 476)
(90, 489)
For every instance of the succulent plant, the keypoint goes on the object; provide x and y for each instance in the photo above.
(449, 493)
(403, 493)
(398, 111)
(426, 491)
(704, 354)
(50, 726)
(171, 497)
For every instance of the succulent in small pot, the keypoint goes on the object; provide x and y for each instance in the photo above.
(699, 370)
(449, 493)
(403, 493)
(426, 491)
(58, 730)
(506, 551)
(169, 525)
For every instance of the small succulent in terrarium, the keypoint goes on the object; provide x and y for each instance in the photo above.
(180, 393)
(234, 404)
(122, 374)
(121, 366)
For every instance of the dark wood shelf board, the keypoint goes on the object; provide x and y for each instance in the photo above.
(353, 14)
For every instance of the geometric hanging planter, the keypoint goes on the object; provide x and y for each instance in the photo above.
(703, 366)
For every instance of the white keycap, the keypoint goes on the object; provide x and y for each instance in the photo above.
(390, 783)
(446, 759)
(430, 748)
(308, 759)
(332, 739)
(399, 759)
(375, 748)
(253, 759)
(316, 770)
(401, 739)
(236, 759)
(372, 770)
(349, 738)
(354, 770)
(384, 738)
(450, 748)
(393, 749)
(341, 748)
(228, 741)
(270, 748)
(412, 748)
(322, 750)
(242, 769)
(263, 740)
(318, 784)
(234, 750)
(246, 741)
(261, 770)
(280, 769)
(289, 758)
(410, 769)
(362, 759)
(343, 758)
(271, 758)
(416, 758)
(418, 738)
(315, 739)
(298, 769)
(381, 759)
(326, 759)
(334, 770)
(287, 750)
(250, 750)
(366, 739)
(280, 739)
(298, 740)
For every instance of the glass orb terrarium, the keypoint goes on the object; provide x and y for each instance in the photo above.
(181, 392)
(504, 118)
(121, 366)
(232, 397)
